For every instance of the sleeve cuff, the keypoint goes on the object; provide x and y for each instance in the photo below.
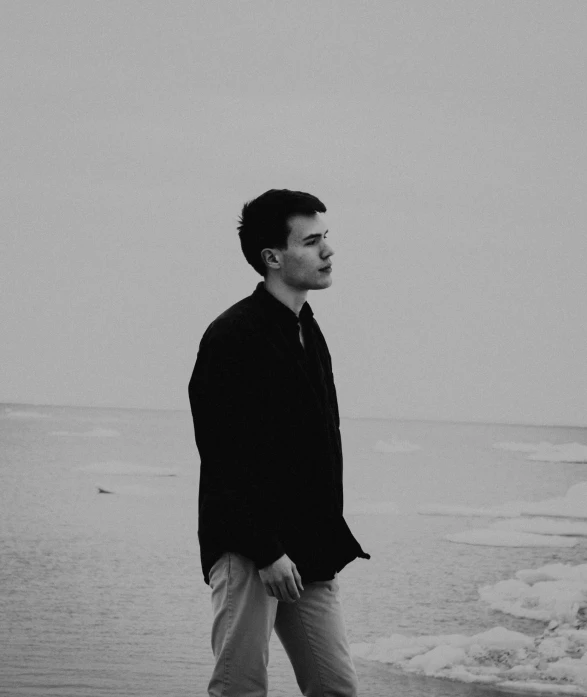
(268, 555)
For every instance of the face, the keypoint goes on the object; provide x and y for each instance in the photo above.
(306, 262)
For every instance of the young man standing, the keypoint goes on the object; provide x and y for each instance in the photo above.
(271, 528)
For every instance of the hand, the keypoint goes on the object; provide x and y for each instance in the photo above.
(282, 580)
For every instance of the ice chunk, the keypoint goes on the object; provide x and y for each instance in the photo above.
(94, 433)
(434, 661)
(500, 637)
(122, 468)
(553, 648)
(506, 659)
(572, 505)
(371, 508)
(129, 490)
(554, 572)
(506, 538)
(521, 447)
(542, 688)
(566, 452)
(559, 600)
(572, 669)
(556, 508)
(542, 526)
(24, 414)
(398, 647)
(511, 509)
(578, 493)
(396, 446)
(554, 662)
(577, 637)
(548, 452)
(393, 649)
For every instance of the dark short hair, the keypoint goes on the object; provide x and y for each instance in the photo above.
(264, 222)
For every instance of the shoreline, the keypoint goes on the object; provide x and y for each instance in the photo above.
(385, 680)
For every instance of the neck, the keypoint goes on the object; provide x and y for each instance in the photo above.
(290, 297)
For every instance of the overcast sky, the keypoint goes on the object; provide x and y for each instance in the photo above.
(447, 140)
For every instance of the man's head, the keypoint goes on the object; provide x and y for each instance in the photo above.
(283, 233)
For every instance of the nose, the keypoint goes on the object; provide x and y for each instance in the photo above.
(327, 251)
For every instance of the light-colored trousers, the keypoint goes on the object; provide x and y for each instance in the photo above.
(311, 630)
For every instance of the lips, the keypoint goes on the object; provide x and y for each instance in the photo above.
(326, 268)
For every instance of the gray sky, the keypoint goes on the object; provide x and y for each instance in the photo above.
(447, 140)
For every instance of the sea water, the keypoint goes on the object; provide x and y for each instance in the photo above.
(101, 594)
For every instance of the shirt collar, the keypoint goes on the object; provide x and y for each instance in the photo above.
(278, 311)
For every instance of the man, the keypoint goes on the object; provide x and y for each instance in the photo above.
(271, 530)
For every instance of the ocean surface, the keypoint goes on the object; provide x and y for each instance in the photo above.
(102, 595)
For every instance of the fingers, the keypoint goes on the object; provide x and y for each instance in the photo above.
(291, 590)
(275, 590)
(298, 578)
(283, 583)
(284, 590)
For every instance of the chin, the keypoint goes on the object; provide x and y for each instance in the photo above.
(326, 283)
(318, 284)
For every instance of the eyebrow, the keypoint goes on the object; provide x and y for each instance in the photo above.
(314, 235)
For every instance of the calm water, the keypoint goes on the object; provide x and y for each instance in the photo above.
(102, 595)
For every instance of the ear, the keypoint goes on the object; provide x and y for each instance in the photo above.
(270, 259)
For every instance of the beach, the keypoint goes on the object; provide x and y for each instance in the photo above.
(102, 593)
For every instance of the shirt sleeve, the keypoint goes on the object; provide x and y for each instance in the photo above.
(230, 397)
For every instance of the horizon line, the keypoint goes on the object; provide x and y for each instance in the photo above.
(353, 418)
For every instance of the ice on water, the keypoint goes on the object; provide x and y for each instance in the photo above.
(548, 452)
(542, 526)
(510, 509)
(117, 477)
(572, 505)
(93, 433)
(24, 414)
(395, 446)
(85, 450)
(553, 662)
(363, 507)
(128, 489)
(127, 468)
(554, 592)
(540, 523)
(509, 538)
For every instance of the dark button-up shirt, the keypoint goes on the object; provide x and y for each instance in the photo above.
(267, 428)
